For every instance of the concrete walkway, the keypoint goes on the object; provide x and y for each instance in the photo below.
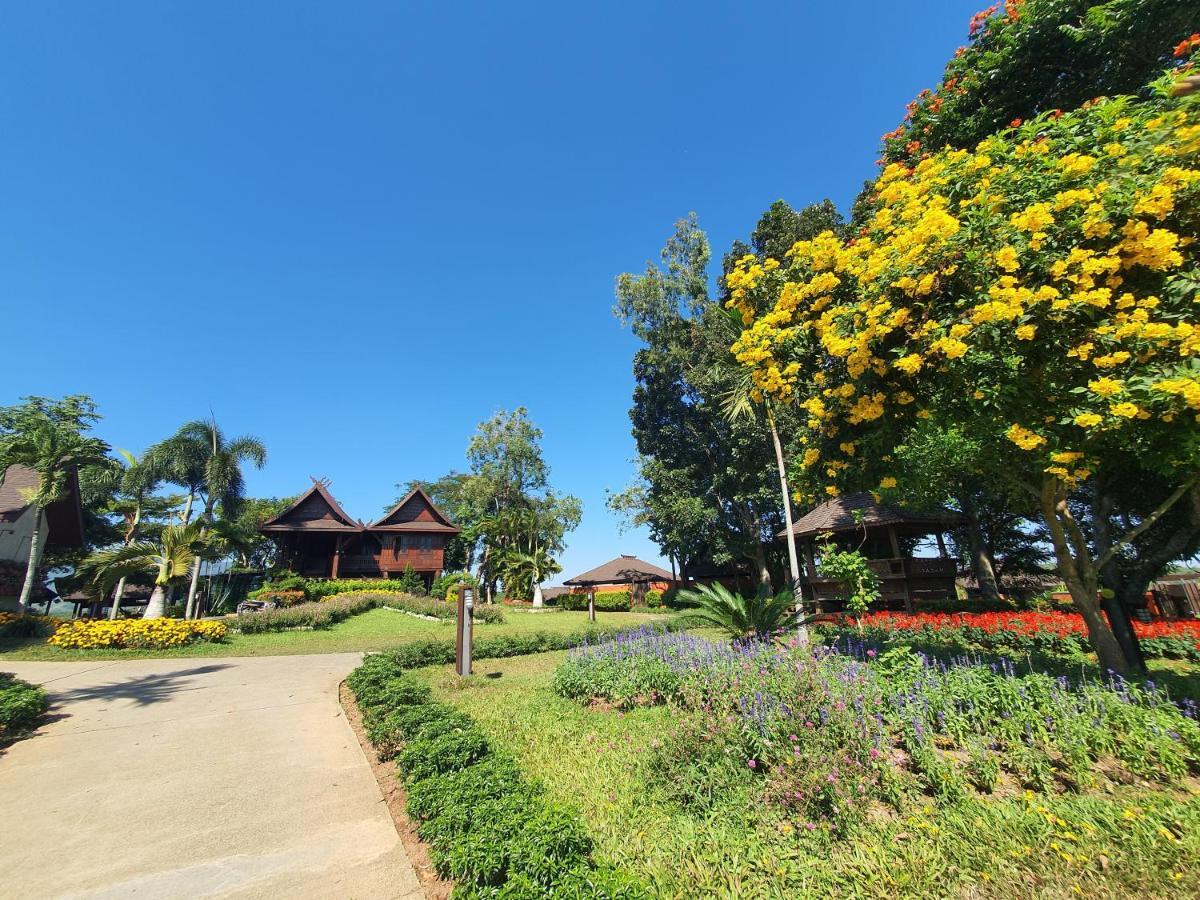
(196, 778)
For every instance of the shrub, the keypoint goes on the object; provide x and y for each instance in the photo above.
(490, 830)
(446, 586)
(13, 626)
(306, 615)
(606, 601)
(455, 749)
(319, 588)
(279, 597)
(143, 634)
(430, 606)
(21, 704)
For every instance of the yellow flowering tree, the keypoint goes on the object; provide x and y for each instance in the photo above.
(1039, 292)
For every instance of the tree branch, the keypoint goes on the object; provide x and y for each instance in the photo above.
(1148, 522)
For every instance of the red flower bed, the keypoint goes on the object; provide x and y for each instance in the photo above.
(1054, 632)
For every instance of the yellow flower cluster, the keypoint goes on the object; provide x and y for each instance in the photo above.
(1062, 270)
(152, 634)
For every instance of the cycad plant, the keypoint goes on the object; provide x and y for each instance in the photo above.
(171, 558)
(761, 616)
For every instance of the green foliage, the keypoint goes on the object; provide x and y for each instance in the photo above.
(307, 615)
(320, 588)
(446, 586)
(410, 582)
(760, 616)
(25, 626)
(1038, 56)
(606, 601)
(488, 828)
(21, 705)
(278, 597)
(850, 569)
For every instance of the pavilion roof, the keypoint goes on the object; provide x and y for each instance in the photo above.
(839, 515)
(622, 570)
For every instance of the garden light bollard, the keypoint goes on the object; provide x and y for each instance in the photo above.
(591, 604)
(462, 649)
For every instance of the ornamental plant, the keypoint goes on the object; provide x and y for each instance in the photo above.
(1039, 291)
(141, 634)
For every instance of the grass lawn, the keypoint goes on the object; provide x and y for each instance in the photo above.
(1133, 841)
(379, 629)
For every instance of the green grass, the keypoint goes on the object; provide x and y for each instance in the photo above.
(1133, 842)
(379, 629)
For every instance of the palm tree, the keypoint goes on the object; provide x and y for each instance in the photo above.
(199, 457)
(533, 568)
(738, 403)
(134, 500)
(171, 558)
(48, 436)
(761, 616)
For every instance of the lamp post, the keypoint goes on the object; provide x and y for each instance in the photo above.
(464, 635)
(591, 604)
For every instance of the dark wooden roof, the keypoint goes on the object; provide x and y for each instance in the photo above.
(64, 517)
(838, 515)
(416, 512)
(315, 510)
(622, 570)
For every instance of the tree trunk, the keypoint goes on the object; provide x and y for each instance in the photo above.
(37, 544)
(117, 595)
(158, 603)
(1078, 572)
(191, 597)
(981, 562)
(793, 556)
(538, 600)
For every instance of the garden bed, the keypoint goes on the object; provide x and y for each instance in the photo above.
(670, 796)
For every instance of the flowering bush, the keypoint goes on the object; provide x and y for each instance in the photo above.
(830, 730)
(1037, 291)
(1045, 632)
(142, 634)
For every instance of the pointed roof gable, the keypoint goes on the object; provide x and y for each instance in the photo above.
(316, 510)
(416, 512)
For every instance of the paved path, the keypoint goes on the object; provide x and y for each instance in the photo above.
(196, 778)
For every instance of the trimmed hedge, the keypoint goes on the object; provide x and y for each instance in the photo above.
(487, 828)
(438, 609)
(305, 615)
(21, 705)
(606, 601)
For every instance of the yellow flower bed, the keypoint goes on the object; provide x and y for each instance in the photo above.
(150, 634)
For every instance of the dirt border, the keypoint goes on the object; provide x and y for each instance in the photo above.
(392, 788)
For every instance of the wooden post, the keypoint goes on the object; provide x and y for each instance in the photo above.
(591, 604)
(894, 541)
(941, 541)
(337, 555)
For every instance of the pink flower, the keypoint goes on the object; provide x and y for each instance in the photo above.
(752, 763)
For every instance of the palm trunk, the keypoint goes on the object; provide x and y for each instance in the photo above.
(37, 544)
(793, 556)
(190, 610)
(538, 600)
(117, 595)
(158, 603)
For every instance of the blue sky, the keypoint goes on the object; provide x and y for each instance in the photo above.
(357, 229)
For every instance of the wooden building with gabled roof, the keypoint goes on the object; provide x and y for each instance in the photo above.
(319, 539)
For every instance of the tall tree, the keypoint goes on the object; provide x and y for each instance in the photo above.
(201, 459)
(51, 438)
(708, 485)
(1027, 57)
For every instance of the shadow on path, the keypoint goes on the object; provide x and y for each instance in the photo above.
(143, 690)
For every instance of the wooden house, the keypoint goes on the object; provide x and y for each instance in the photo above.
(318, 539)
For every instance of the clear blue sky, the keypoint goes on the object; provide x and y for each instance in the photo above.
(357, 229)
